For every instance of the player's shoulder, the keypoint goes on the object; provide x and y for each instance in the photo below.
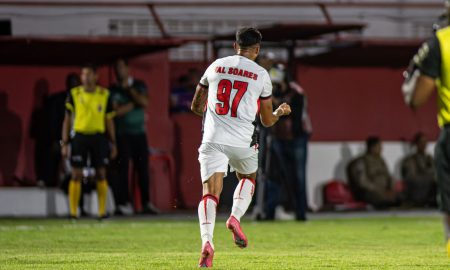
(224, 60)
(443, 31)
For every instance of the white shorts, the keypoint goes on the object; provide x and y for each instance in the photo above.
(215, 157)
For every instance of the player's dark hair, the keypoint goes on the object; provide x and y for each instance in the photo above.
(90, 66)
(248, 36)
(371, 141)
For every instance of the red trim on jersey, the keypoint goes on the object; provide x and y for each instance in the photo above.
(258, 103)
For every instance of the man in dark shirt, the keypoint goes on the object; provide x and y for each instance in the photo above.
(289, 146)
(130, 99)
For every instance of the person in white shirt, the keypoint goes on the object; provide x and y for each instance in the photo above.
(233, 91)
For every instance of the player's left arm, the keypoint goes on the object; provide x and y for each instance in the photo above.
(420, 79)
(199, 100)
(424, 87)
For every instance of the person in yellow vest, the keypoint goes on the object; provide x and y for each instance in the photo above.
(90, 115)
(430, 70)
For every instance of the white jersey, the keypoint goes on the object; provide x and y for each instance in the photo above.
(235, 85)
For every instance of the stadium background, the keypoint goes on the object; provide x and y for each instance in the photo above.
(352, 78)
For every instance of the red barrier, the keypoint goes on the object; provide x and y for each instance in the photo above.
(163, 187)
(187, 141)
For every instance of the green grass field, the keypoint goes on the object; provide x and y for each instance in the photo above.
(362, 243)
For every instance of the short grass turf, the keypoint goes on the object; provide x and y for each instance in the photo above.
(163, 243)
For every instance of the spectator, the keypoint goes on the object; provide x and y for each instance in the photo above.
(181, 96)
(9, 141)
(267, 60)
(130, 101)
(56, 104)
(39, 132)
(289, 146)
(418, 172)
(369, 177)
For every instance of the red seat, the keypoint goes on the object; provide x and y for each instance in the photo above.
(162, 183)
(338, 195)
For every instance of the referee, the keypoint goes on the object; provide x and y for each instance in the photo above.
(430, 70)
(89, 111)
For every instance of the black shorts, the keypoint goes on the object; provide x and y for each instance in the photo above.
(94, 148)
(442, 161)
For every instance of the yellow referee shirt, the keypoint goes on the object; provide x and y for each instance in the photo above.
(90, 109)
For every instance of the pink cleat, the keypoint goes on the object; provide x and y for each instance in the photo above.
(207, 256)
(238, 235)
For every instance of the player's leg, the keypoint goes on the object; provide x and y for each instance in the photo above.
(102, 191)
(442, 161)
(139, 147)
(119, 177)
(78, 158)
(300, 148)
(75, 190)
(213, 167)
(207, 210)
(100, 160)
(447, 231)
(246, 168)
(243, 194)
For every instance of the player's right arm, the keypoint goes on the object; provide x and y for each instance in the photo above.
(270, 117)
(199, 100)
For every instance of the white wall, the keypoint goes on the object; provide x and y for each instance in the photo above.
(39, 202)
(327, 160)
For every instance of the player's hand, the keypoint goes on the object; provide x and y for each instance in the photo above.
(283, 109)
(64, 151)
(409, 84)
(113, 153)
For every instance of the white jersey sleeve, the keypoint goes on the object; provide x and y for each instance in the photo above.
(267, 87)
(208, 72)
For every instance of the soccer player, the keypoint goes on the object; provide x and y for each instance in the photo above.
(430, 70)
(229, 96)
(89, 105)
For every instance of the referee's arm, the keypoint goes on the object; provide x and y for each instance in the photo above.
(425, 69)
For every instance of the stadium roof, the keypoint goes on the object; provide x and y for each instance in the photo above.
(298, 31)
(386, 53)
(77, 50)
